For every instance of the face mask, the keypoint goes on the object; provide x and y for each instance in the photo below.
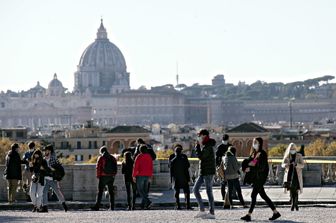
(292, 152)
(225, 142)
(31, 150)
(256, 147)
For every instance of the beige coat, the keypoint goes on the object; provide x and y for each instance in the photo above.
(299, 166)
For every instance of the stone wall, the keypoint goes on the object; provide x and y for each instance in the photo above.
(80, 182)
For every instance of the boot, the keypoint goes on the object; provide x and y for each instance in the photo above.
(223, 192)
(65, 207)
(43, 209)
(297, 201)
(187, 197)
(95, 207)
(34, 209)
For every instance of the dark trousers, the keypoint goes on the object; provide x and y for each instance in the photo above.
(103, 182)
(234, 186)
(186, 191)
(131, 189)
(294, 195)
(223, 185)
(259, 189)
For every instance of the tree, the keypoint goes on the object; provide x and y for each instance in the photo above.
(277, 151)
(316, 148)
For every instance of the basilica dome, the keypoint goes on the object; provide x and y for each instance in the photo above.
(102, 67)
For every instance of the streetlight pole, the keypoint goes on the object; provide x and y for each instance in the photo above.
(290, 113)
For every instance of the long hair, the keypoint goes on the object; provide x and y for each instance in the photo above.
(261, 142)
(37, 160)
(128, 158)
(287, 154)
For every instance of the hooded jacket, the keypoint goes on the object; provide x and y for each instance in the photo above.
(206, 155)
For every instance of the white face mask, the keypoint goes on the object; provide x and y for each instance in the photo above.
(255, 146)
(292, 152)
(225, 142)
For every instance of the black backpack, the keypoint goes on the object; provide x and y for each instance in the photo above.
(110, 165)
(59, 172)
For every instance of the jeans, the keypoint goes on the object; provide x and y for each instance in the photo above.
(55, 187)
(131, 193)
(12, 186)
(208, 179)
(235, 184)
(259, 189)
(103, 182)
(142, 186)
(36, 193)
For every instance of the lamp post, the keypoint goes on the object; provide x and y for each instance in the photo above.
(290, 112)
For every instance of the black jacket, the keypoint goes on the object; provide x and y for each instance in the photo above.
(260, 171)
(179, 170)
(127, 170)
(150, 151)
(220, 152)
(13, 166)
(41, 174)
(206, 155)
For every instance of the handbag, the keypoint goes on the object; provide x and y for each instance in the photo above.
(220, 171)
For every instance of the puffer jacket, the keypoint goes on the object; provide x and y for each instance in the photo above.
(206, 155)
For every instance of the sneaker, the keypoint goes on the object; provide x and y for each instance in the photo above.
(275, 216)
(200, 214)
(246, 218)
(34, 209)
(43, 209)
(209, 216)
(190, 208)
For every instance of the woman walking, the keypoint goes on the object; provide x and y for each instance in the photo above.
(293, 182)
(39, 169)
(127, 170)
(231, 168)
(258, 166)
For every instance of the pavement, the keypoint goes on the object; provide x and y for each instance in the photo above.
(261, 214)
(311, 196)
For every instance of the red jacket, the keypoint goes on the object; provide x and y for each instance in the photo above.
(143, 165)
(100, 167)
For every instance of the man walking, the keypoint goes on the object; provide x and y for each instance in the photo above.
(207, 170)
(52, 181)
(106, 171)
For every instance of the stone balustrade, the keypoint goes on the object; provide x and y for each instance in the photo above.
(80, 182)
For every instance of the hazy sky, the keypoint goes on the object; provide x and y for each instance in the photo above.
(245, 40)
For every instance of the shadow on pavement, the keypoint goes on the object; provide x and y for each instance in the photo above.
(15, 219)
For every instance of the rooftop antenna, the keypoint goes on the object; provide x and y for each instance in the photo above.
(177, 76)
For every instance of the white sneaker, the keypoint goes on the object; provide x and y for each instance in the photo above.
(200, 214)
(209, 216)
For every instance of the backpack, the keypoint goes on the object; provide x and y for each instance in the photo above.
(110, 165)
(59, 172)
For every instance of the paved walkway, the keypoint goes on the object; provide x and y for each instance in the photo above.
(311, 196)
(305, 214)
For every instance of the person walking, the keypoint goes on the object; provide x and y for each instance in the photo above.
(231, 168)
(12, 171)
(258, 165)
(293, 182)
(127, 170)
(26, 176)
(207, 169)
(142, 171)
(52, 181)
(106, 169)
(179, 168)
(39, 169)
(220, 153)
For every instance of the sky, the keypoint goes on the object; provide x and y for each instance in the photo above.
(246, 40)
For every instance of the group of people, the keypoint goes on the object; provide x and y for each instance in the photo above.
(137, 168)
(42, 171)
(225, 164)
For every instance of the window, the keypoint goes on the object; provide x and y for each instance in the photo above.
(90, 145)
(2, 104)
(95, 145)
(79, 145)
(90, 157)
(79, 157)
